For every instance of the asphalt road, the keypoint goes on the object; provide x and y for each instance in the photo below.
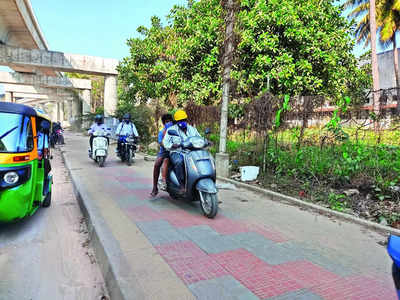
(46, 256)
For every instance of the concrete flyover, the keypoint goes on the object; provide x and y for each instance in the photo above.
(45, 81)
(24, 49)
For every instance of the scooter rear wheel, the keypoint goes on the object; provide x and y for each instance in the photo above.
(209, 204)
(101, 160)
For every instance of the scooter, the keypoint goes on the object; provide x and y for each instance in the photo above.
(393, 249)
(100, 147)
(127, 148)
(200, 175)
(60, 136)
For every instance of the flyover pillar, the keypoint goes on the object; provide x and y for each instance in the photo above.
(68, 111)
(60, 112)
(110, 95)
(54, 111)
(76, 113)
(86, 101)
(9, 97)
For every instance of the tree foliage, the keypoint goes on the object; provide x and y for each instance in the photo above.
(293, 47)
(303, 47)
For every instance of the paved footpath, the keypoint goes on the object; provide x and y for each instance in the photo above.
(254, 249)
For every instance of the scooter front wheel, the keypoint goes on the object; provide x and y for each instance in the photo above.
(101, 160)
(209, 204)
(129, 157)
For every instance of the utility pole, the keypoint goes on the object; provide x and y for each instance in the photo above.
(222, 158)
(374, 59)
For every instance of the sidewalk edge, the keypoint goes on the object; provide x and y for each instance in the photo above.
(97, 235)
(274, 196)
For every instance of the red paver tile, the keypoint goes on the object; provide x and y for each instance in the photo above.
(306, 273)
(224, 225)
(221, 224)
(145, 181)
(268, 233)
(262, 279)
(197, 269)
(356, 288)
(141, 194)
(125, 178)
(180, 251)
(189, 262)
(180, 218)
(143, 213)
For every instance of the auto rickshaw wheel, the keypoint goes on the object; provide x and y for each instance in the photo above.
(47, 200)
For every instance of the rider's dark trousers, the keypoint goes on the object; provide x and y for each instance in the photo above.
(179, 167)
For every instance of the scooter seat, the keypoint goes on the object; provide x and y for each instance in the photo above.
(393, 248)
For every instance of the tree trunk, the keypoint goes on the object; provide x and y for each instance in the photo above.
(227, 64)
(396, 72)
(374, 60)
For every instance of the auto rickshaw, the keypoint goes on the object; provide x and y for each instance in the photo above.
(25, 179)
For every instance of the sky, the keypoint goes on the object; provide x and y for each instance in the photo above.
(96, 27)
(101, 27)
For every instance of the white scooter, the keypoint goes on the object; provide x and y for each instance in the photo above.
(100, 147)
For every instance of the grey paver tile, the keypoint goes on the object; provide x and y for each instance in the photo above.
(199, 231)
(251, 240)
(275, 254)
(160, 232)
(303, 294)
(221, 288)
(331, 264)
(209, 240)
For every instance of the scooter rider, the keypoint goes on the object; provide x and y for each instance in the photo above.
(125, 128)
(98, 125)
(173, 144)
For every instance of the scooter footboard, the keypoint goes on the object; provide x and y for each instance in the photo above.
(206, 185)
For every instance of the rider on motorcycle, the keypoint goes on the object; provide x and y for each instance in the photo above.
(173, 144)
(98, 125)
(125, 128)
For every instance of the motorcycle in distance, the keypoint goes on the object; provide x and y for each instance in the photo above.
(200, 175)
(56, 137)
(393, 249)
(100, 147)
(128, 148)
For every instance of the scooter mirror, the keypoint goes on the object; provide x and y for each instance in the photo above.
(207, 131)
(172, 132)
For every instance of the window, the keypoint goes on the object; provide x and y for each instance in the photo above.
(16, 134)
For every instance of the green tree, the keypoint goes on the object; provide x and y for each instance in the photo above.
(388, 24)
(140, 74)
(294, 47)
(178, 62)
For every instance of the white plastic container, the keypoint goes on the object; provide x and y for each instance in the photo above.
(249, 173)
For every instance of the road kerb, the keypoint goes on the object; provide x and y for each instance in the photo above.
(322, 210)
(98, 238)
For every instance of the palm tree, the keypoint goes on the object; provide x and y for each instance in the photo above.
(389, 21)
(387, 25)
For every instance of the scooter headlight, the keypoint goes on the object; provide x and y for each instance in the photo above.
(198, 143)
(11, 177)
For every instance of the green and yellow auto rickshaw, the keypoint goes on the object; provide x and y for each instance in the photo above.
(25, 179)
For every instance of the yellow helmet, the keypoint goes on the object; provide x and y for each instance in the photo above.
(180, 115)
